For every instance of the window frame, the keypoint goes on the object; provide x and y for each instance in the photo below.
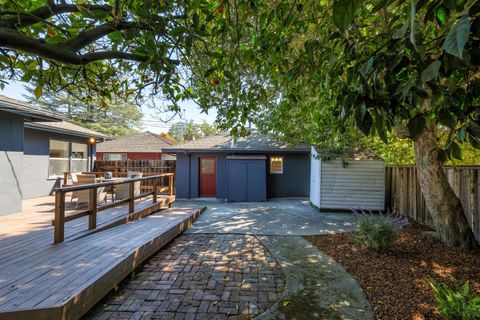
(272, 160)
(70, 159)
(115, 153)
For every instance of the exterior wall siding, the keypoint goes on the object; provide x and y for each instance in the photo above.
(360, 184)
(11, 163)
(295, 180)
(36, 161)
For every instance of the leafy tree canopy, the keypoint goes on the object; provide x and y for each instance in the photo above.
(112, 117)
(385, 67)
(188, 131)
(108, 48)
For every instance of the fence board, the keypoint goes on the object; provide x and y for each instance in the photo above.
(120, 168)
(403, 194)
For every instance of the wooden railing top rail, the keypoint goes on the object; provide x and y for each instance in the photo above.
(109, 183)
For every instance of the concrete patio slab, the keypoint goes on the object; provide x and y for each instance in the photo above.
(278, 217)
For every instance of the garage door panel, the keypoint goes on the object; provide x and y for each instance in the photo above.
(247, 180)
(256, 178)
(237, 181)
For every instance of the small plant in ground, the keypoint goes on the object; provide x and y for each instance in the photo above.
(375, 233)
(456, 304)
(397, 219)
(378, 231)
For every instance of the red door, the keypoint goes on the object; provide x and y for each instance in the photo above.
(208, 177)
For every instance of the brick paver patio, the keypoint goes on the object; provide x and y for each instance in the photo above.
(199, 276)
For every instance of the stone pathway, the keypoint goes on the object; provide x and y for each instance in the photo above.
(316, 286)
(199, 277)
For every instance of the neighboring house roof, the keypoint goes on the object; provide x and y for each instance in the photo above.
(141, 142)
(255, 142)
(65, 128)
(29, 111)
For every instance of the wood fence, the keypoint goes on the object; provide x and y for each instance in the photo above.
(403, 194)
(145, 166)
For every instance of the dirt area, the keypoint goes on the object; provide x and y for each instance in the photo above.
(395, 282)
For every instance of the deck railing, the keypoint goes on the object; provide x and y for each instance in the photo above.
(93, 208)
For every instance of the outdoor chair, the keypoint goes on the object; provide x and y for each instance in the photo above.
(83, 196)
(73, 176)
(121, 191)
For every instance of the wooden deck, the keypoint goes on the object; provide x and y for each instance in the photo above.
(42, 280)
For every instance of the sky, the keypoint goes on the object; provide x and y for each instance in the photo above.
(151, 119)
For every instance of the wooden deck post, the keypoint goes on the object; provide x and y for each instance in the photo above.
(65, 178)
(170, 185)
(59, 232)
(155, 189)
(131, 197)
(92, 209)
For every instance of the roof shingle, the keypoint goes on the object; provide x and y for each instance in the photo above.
(256, 142)
(141, 142)
(65, 127)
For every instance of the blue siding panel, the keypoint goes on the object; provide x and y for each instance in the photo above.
(182, 176)
(295, 180)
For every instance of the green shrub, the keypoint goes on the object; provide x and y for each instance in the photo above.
(375, 233)
(457, 304)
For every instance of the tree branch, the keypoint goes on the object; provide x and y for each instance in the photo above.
(58, 52)
(87, 37)
(20, 20)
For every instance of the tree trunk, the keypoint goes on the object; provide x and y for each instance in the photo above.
(442, 202)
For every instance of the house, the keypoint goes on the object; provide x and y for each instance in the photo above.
(354, 181)
(36, 147)
(252, 168)
(140, 146)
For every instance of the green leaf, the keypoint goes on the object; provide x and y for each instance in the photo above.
(366, 67)
(38, 92)
(455, 150)
(209, 71)
(431, 72)
(447, 118)
(473, 129)
(441, 14)
(366, 124)
(344, 12)
(416, 126)
(458, 37)
(400, 33)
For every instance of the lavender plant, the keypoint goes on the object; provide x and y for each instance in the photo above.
(378, 231)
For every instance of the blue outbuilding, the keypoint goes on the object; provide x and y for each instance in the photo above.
(253, 168)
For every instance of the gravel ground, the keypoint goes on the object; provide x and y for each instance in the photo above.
(396, 281)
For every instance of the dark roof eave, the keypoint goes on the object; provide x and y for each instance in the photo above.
(36, 126)
(186, 151)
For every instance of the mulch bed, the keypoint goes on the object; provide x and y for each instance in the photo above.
(395, 282)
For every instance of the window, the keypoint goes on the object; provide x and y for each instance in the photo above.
(276, 165)
(166, 156)
(79, 157)
(114, 156)
(59, 158)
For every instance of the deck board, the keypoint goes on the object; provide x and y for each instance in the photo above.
(63, 281)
